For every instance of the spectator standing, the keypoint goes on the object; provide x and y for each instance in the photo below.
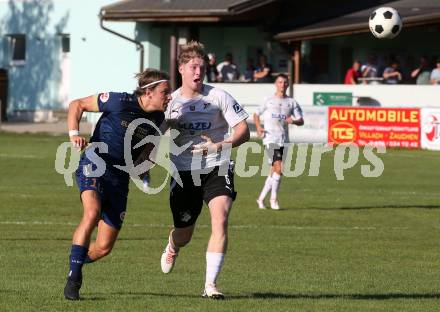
(211, 69)
(227, 70)
(263, 71)
(353, 73)
(422, 74)
(435, 74)
(392, 74)
(370, 70)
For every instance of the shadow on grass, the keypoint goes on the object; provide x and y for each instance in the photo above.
(275, 296)
(373, 207)
(340, 296)
(94, 298)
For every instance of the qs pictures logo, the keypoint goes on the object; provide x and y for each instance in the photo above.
(342, 132)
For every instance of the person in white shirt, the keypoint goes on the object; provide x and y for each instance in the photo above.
(278, 112)
(227, 70)
(202, 115)
(435, 74)
(370, 71)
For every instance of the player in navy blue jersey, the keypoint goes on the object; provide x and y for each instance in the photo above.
(103, 187)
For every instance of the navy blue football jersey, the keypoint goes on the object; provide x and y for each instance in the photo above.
(119, 110)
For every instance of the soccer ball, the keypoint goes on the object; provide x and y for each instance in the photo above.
(385, 23)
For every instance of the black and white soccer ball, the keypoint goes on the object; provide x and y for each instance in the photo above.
(385, 23)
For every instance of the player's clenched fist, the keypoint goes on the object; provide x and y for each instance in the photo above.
(78, 142)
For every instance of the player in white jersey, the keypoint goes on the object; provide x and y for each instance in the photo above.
(202, 115)
(278, 112)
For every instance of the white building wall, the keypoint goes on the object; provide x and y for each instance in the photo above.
(97, 61)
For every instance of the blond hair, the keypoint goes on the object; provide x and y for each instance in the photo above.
(191, 50)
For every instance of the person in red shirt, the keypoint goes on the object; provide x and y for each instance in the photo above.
(353, 73)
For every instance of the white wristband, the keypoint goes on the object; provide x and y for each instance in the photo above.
(73, 133)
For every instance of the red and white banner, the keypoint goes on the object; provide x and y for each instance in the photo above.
(391, 127)
(430, 128)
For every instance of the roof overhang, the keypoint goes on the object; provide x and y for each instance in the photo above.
(141, 11)
(358, 23)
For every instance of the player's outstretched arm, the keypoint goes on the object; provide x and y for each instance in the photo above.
(76, 109)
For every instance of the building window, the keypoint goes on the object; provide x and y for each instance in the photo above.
(65, 43)
(17, 49)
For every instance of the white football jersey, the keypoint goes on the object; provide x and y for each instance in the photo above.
(274, 112)
(210, 113)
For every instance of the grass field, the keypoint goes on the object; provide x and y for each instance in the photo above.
(362, 244)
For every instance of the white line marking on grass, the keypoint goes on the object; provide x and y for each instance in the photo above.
(418, 156)
(332, 190)
(248, 226)
(38, 223)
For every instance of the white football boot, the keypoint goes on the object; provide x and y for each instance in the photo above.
(261, 204)
(168, 259)
(274, 204)
(212, 292)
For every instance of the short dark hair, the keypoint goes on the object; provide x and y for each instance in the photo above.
(149, 75)
(282, 76)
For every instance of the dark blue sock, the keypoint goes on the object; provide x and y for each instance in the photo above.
(77, 255)
(88, 260)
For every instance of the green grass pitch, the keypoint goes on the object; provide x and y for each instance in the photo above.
(362, 244)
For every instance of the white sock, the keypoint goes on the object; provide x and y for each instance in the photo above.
(276, 180)
(214, 263)
(172, 247)
(266, 188)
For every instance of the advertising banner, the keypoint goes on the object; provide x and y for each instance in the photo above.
(391, 127)
(430, 128)
(332, 98)
(315, 126)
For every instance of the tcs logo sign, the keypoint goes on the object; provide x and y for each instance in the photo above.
(431, 128)
(342, 132)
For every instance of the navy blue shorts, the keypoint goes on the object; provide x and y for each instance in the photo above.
(111, 187)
